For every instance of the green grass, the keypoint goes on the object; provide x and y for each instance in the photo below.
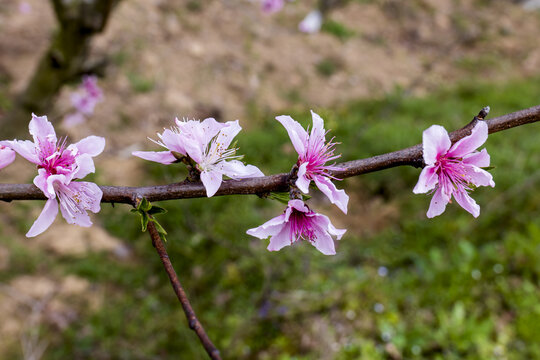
(456, 288)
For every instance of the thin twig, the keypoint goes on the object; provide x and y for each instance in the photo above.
(193, 322)
(411, 156)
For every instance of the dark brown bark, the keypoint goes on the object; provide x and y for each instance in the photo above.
(193, 322)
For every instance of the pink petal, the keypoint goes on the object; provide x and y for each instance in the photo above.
(211, 181)
(207, 129)
(194, 149)
(298, 205)
(25, 148)
(296, 132)
(281, 239)
(435, 142)
(91, 145)
(173, 141)
(324, 242)
(467, 203)
(7, 156)
(76, 199)
(41, 183)
(337, 197)
(85, 166)
(45, 219)
(427, 181)
(163, 157)
(324, 222)
(479, 177)
(438, 204)
(480, 159)
(318, 127)
(43, 132)
(269, 228)
(272, 6)
(227, 134)
(472, 142)
(237, 170)
(303, 182)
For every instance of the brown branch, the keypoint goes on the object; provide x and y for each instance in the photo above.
(410, 156)
(193, 322)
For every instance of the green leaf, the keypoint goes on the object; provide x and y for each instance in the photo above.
(157, 210)
(144, 221)
(282, 197)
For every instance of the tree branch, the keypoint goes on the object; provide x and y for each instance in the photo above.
(193, 322)
(410, 156)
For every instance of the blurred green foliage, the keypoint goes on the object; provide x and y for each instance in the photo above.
(453, 287)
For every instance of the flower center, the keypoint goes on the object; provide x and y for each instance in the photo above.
(301, 227)
(60, 161)
(317, 154)
(452, 175)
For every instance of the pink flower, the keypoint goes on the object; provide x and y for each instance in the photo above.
(312, 22)
(297, 223)
(206, 143)
(453, 170)
(87, 96)
(314, 152)
(272, 6)
(58, 165)
(6, 156)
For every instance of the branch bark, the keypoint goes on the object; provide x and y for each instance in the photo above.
(193, 322)
(259, 186)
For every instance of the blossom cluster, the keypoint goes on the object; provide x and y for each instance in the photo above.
(58, 166)
(451, 171)
(84, 100)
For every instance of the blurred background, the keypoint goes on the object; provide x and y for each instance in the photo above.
(379, 72)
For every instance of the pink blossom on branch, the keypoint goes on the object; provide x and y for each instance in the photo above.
(207, 143)
(453, 170)
(87, 96)
(6, 156)
(297, 223)
(272, 6)
(313, 154)
(58, 165)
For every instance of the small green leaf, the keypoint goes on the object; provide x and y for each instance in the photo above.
(282, 197)
(157, 210)
(489, 167)
(144, 221)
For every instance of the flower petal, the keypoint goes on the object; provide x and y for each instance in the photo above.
(468, 144)
(173, 141)
(480, 159)
(438, 203)
(269, 228)
(237, 170)
(467, 202)
(91, 145)
(227, 134)
(76, 199)
(45, 219)
(427, 180)
(297, 134)
(25, 148)
(337, 197)
(435, 141)
(211, 181)
(163, 157)
(6, 156)
(303, 182)
(85, 166)
(43, 132)
(281, 239)
(323, 242)
(318, 127)
(478, 177)
(298, 205)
